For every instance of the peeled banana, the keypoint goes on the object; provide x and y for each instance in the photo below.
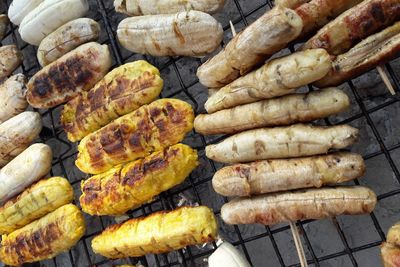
(48, 16)
(28, 167)
(63, 79)
(3, 25)
(44, 238)
(154, 7)
(66, 38)
(12, 97)
(128, 186)
(158, 233)
(20, 8)
(10, 59)
(17, 133)
(228, 256)
(192, 33)
(35, 202)
(136, 135)
(120, 92)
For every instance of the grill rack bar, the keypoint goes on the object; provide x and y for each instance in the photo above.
(187, 258)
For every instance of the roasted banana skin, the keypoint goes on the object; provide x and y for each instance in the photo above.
(3, 25)
(192, 34)
(66, 38)
(76, 71)
(375, 50)
(36, 201)
(354, 25)
(44, 238)
(158, 233)
(136, 135)
(120, 92)
(10, 59)
(154, 7)
(12, 97)
(129, 185)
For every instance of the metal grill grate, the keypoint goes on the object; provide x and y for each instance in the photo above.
(342, 241)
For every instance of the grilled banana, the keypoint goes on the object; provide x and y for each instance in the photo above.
(3, 25)
(10, 59)
(28, 167)
(35, 202)
(66, 38)
(128, 186)
(12, 97)
(44, 238)
(75, 72)
(17, 133)
(192, 34)
(20, 8)
(158, 233)
(48, 16)
(154, 7)
(120, 92)
(136, 135)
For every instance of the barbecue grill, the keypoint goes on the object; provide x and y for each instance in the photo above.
(343, 241)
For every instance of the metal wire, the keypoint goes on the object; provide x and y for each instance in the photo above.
(188, 89)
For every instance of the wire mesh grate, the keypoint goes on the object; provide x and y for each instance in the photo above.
(342, 241)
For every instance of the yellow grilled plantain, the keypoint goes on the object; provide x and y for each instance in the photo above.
(120, 92)
(158, 233)
(136, 135)
(44, 238)
(129, 185)
(35, 202)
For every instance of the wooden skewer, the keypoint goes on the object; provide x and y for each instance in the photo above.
(293, 227)
(385, 79)
(299, 245)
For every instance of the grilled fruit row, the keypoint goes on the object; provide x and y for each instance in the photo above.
(390, 250)
(154, 7)
(46, 18)
(191, 33)
(128, 186)
(120, 92)
(76, 71)
(44, 238)
(17, 133)
(28, 167)
(35, 202)
(158, 233)
(136, 135)
(66, 38)
(12, 97)
(10, 59)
